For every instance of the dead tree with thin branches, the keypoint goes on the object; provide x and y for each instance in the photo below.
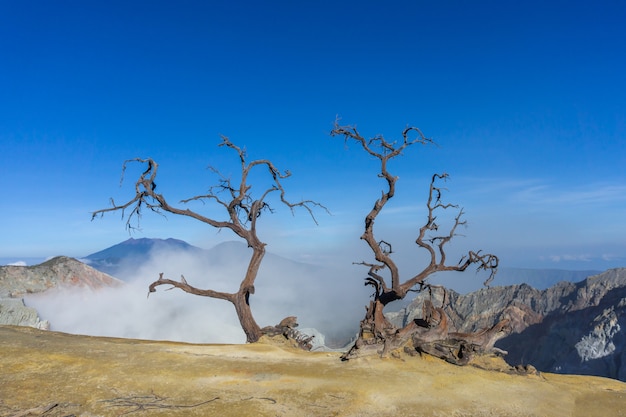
(429, 334)
(242, 213)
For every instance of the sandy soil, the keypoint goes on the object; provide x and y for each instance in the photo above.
(55, 374)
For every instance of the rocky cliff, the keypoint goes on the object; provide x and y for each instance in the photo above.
(567, 328)
(59, 272)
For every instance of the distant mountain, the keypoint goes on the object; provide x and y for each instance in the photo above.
(125, 258)
(567, 328)
(140, 247)
(133, 252)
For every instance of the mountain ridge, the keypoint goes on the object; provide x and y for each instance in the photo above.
(569, 327)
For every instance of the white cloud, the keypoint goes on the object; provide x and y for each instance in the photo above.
(609, 257)
(18, 263)
(587, 194)
(540, 192)
(585, 257)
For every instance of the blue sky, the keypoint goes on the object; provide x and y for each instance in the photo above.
(526, 101)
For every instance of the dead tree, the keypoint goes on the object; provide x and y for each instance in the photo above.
(243, 212)
(430, 333)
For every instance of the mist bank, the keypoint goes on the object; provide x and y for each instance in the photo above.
(329, 299)
(323, 298)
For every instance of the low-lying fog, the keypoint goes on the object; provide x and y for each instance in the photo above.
(330, 300)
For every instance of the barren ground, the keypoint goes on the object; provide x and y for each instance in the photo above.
(56, 374)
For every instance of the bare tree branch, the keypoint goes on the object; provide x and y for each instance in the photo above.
(183, 285)
(383, 150)
(242, 212)
(431, 332)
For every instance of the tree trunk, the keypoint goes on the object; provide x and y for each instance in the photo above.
(242, 298)
(248, 324)
(374, 331)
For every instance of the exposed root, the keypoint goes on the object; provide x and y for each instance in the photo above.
(287, 329)
(430, 335)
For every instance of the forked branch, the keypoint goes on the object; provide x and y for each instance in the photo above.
(242, 213)
(435, 243)
(242, 209)
(430, 333)
(383, 150)
(430, 235)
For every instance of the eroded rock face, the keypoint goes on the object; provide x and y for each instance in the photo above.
(599, 342)
(568, 328)
(14, 313)
(59, 272)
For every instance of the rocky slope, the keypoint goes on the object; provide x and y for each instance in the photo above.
(567, 328)
(59, 272)
(16, 281)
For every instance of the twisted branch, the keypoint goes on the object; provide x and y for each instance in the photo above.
(183, 285)
(429, 238)
(242, 212)
(388, 150)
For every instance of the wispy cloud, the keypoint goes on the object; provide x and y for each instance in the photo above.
(585, 257)
(581, 257)
(587, 194)
(535, 191)
(609, 257)
(496, 185)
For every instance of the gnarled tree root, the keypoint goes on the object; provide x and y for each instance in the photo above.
(429, 335)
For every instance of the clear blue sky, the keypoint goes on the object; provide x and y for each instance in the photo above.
(527, 101)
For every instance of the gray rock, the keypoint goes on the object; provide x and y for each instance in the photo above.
(13, 312)
(567, 328)
(599, 342)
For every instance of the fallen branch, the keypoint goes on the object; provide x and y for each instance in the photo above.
(37, 411)
(273, 401)
(149, 402)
